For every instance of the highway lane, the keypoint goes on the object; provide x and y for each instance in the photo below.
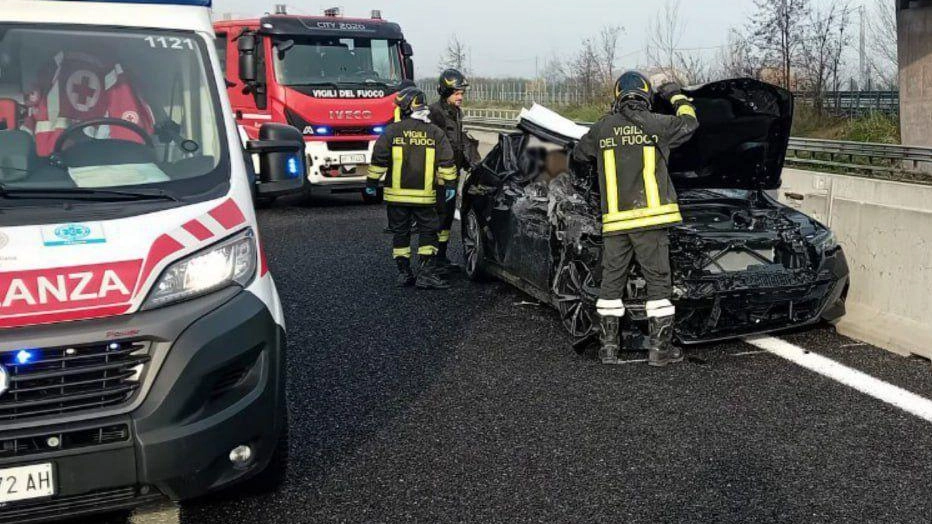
(470, 406)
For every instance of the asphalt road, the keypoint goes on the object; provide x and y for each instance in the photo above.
(470, 406)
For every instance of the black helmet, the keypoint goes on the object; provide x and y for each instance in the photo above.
(632, 85)
(410, 99)
(450, 81)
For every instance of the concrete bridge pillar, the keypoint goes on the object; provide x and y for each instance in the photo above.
(914, 25)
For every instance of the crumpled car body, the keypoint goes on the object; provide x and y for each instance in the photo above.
(742, 263)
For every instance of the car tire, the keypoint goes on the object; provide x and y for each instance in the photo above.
(371, 200)
(473, 248)
(573, 291)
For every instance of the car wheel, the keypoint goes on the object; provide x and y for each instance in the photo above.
(473, 250)
(574, 290)
(369, 199)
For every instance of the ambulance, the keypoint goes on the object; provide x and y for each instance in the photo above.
(142, 341)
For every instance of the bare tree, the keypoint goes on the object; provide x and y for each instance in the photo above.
(776, 30)
(736, 58)
(554, 70)
(587, 71)
(455, 56)
(665, 32)
(608, 50)
(822, 48)
(882, 42)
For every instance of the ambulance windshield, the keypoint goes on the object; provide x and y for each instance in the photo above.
(88, 109)
(326, 60)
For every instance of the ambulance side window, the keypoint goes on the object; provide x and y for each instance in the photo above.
(221, 42)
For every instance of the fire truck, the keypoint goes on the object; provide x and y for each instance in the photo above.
(331, 77)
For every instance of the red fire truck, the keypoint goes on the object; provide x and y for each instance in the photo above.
(333, 78)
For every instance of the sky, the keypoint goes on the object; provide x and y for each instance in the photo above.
(510, 38)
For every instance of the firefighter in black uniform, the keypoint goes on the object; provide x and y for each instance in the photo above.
(448, 116)
(416, 160)
(631, 147)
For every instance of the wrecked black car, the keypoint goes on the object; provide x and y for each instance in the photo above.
(742, 262)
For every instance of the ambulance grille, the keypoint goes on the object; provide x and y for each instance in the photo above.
(63, 380)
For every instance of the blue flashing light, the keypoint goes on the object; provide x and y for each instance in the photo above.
(322, 130)
(199, 3)
(294, 167)
(24, 357)
(378, 130)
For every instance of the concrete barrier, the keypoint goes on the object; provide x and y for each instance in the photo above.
(886, 231)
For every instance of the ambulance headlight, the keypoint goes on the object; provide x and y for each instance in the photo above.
(229, 262)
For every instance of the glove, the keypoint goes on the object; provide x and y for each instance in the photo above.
(668, 90)
(451, 194)
(371, 191)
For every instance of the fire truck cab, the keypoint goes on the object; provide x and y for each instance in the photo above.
(333, 78)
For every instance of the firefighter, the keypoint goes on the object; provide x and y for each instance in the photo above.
(416, 160)
(631, 147)
(447, 114)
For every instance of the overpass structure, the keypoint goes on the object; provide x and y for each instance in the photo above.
(914, 29)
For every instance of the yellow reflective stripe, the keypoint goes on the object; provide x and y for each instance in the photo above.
(650, 178)
(376, 172)
(411, 192)
(429, 155)
(447, 173)
(627, 225)
(427, 250)
(398, 158)
(686, 109)
(401, 252)
(641, 213)
(611, 180)
(444, 236)
(402, 199)
(676, 98)
(397, 114)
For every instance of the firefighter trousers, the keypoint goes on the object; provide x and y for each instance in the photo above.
(399, 223)
(446, 211)
(652, 251)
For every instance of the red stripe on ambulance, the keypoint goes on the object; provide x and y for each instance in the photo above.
(228, 214)
(198, 230)
(162, 248)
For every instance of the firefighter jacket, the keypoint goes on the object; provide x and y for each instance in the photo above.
(414, 157)
(449, 118)
(631, 148)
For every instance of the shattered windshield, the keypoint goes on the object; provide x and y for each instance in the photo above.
(317, 60)
(84, 109)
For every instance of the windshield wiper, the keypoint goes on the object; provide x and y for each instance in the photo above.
(87, 193)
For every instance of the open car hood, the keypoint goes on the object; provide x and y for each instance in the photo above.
(744, 129)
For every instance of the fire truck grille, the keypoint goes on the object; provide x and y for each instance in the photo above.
(64, 380)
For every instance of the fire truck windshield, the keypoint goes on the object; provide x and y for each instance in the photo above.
(82, 110)
(312, 61)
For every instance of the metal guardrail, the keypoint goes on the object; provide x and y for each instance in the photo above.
(887, 161)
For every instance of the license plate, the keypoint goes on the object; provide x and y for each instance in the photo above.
(352, 159)
(26, 482)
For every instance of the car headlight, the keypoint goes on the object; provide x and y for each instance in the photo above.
(231, 261)
(825, 240)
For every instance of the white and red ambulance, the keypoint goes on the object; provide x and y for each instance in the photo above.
(141, 335)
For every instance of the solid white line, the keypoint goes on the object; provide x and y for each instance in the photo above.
(896, 396)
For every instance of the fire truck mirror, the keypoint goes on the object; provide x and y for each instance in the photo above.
(409, 68)
(248, 63)
(282, 159)
(406, 49)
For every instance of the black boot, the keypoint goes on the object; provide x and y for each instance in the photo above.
(427, 275)
(405, 277)
(608, 351)
(444, 265)
(662, 351)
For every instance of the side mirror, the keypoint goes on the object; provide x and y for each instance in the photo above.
(248, 61)
(406, 49)
(282, 160)
(409, 68)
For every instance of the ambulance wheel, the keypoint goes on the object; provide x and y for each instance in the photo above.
(369, 199)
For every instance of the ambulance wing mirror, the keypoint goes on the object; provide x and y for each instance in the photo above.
(282, 160)
(248, 61)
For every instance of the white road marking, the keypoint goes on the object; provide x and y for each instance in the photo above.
(749, 353)
(164, 513)
(896, 396)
